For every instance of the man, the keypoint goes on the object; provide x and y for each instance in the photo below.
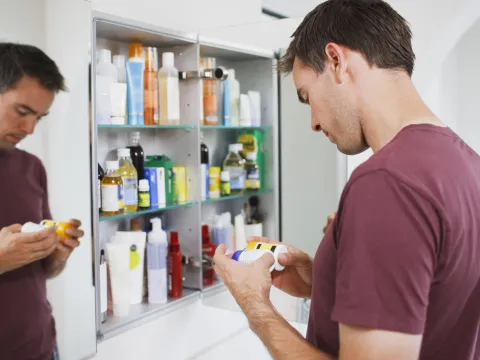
(29, 80)
(397, 275)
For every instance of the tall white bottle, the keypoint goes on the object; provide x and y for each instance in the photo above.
(157, 249)
(234, 89)
(106, 75)
(169, 91)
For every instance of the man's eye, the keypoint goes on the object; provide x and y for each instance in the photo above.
(21, 113)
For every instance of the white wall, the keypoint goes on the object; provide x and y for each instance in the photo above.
(13, 30)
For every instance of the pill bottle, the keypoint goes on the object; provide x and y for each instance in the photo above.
(62, 227)
(249, 256)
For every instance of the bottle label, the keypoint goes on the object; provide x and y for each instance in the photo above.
(214, 186)
(120, 195)
(253, 179)
(156, 257)
(225, 188)
(144, 199)
(130, 191)
(204, 178)
(173, 98)
(110, 198)
(237, 178)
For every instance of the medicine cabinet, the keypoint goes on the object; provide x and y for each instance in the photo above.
(254, 70)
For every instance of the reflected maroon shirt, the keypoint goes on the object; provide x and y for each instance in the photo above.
(27, 329)
(403, 253)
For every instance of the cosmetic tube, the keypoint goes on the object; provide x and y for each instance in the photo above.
(135, 92)
(119, 265)
(118, 97)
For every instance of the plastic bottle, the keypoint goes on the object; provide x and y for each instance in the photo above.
(225, 183)
(112, 190)
(150, 82)
(119, 62)
(208, 251)
(175, 277)
(169, 91)
(235, 165)
(157, 263)
(106, 74)
(230, 234)
(219, 231)
(210, 104)
(249, 256)
(136, 154)
(204, 166)
(130, 180)
(234, 89)
(62, 227)
(143, 194)
(253, 173)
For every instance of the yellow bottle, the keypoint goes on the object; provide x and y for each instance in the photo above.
(169, 91)
(112, 190)
(130, 180)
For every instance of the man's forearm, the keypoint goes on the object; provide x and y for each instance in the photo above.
(280, 338)
(53, 267)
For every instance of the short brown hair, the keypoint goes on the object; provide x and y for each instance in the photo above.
(371, 27)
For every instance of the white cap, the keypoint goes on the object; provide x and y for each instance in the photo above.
(231, 74)
(235, 147)
(251, 156)
(31, 227)
(168, 59)
(105, 56)
(135, 135)
(119, 61)
(123, 153)
(156, 223)
(225, 176)
(111, 165)
(144, 185)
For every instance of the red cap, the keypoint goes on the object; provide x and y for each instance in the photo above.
(205, 234)
(174, 238)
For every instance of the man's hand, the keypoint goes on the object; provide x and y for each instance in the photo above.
(55, 263)
(330, 219)
(249, 284)
(296, 278)
(18, 249)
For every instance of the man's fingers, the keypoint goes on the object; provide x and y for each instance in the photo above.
(75, 223)
(15, 228)
(266, 261)
(71, 243)
(75, 233)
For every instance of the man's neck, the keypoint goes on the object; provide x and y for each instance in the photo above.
(391, 105)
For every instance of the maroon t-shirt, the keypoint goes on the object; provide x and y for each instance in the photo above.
(403, 253)
(27, 329)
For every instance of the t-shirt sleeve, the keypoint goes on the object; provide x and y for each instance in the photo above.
(387, 237)
(43, 181)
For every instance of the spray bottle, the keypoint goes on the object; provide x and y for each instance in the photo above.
(157, 263)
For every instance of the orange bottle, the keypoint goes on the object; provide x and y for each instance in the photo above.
(150, 77)
(210, 104)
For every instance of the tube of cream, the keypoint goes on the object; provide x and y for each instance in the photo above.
(118, 96)
(226, 104)
(135, 92)
(119, 264)
(245, 113)
(136, 242)
(255, 107)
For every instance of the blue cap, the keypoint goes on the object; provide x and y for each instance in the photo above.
(236, 254)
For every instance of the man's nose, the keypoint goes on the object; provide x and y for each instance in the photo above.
(29, 124)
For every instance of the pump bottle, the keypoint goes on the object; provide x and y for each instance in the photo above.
(157, 263)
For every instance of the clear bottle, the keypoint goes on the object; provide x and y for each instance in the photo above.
(225, 183)
(130, 180)
(136, 154)
(150, 86)
(157, 263)
(112, 190)
(210, 101)
(169, 91)
(235, 165)
(253, 173)
(234, 91)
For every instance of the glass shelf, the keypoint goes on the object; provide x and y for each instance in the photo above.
(239, 196)
(181, 127)
(151, 210)
(146, 311)
(222, 127)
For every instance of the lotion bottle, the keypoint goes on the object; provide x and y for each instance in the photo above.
(169, 91)
(157, 263)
